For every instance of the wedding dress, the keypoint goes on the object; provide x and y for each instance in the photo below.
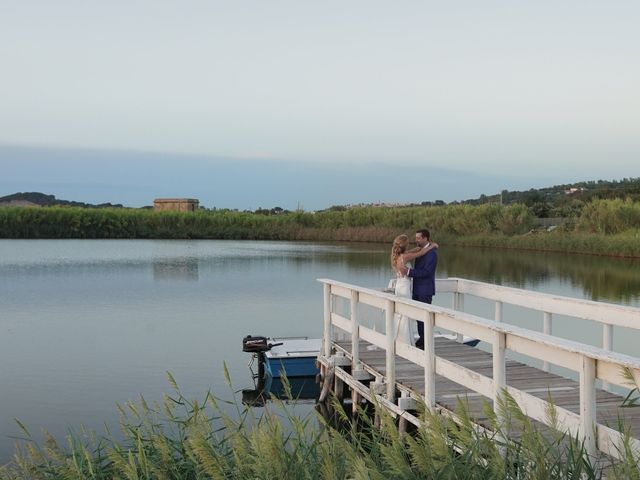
(405, 328)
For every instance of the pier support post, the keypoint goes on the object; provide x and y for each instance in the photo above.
(499, 381)
(355, 333)
(327, 380)
(339, 360)
(546, 329)
(390, 332)
(499, 367)
(458, 304)
(429, 361)
(498, 314)
(402, 426)
(406, 402)
(327, 337)
(377, 387)
(355, 401)
(607, 337)
(588, 403)
(339, 389)
(607, 344)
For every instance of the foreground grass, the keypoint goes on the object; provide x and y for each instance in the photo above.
(187, 439)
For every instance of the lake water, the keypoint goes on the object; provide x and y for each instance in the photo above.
(88, 324)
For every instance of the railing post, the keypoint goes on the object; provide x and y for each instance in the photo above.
(391, 351)
(327, 321)
(355, 332)
(429, 360)
(607, 336)
(458, 304)
(546, 329)
(588, 403)
(498, 315)
(499, 367)
(607, 344)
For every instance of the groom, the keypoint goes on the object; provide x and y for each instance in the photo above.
(424, 277)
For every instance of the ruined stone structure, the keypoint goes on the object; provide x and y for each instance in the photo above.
(176, 204)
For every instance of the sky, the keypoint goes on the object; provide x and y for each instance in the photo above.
(248, 104)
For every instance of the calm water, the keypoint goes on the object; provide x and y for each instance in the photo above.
(88, 324)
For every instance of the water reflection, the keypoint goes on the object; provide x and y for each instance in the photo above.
(599, 278)
(297, 389)
(177, 269)
(595, 277)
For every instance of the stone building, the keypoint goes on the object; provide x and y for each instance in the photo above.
(176, 204)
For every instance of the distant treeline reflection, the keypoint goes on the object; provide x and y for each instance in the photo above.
(602, 278)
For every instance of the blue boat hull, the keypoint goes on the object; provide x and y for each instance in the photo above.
(293, 367)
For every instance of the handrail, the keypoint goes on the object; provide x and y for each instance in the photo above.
(601, 312)
(607, 314)
(570, 346)
(589, 362)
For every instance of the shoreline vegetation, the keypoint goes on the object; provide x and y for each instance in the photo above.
(601, 227)
(182, 438)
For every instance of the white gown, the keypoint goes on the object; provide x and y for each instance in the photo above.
(405, 328)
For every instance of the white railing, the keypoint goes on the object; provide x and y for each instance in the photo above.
(590, 363)
(607, 314)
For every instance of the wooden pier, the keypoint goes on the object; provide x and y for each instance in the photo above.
(375, 367)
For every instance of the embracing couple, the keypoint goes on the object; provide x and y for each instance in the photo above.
(423, 274)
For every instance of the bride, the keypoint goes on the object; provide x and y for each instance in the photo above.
(405, 329)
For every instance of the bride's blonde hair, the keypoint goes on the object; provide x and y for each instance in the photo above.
(399, 247)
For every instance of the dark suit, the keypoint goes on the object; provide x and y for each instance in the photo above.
(424, 283)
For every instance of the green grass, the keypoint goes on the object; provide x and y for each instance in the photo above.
(187, 439)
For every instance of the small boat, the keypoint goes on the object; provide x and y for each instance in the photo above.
(294, 356)
(290, 357)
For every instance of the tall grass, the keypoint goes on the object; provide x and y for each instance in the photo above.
(63, 222)
(609, 216)
(187, 439)
(610, 227)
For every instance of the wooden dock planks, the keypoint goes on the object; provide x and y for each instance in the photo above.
(562, 391)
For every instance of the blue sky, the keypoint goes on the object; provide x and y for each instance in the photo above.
(317, 103)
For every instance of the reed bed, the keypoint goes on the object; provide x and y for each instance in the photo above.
(604, 227)
(182, 438)
(65, 222)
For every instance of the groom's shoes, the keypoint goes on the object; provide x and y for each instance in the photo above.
(420, 344)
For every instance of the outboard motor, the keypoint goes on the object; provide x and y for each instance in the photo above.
(256, 344)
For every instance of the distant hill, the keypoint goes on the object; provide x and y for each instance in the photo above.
(44, 200)
(565, 200)
(584, 191)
